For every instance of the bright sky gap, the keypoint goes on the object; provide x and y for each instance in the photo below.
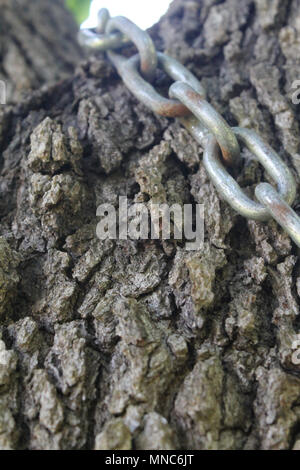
(144, 14)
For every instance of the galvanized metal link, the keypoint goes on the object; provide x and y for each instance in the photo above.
(103, 18)
(280, 210)
(230, 189)
(144, 91)
(101, 42)
(140, 39)
(270, 160)
(206, 125)
(210, 118)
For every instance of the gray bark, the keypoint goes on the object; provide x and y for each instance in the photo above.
(37, 44)
(144, 345)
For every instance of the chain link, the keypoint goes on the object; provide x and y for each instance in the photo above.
(103, 18)
(187, 102)
(142, 41)
(144, 91)
(102, 42)
(210, 119)
(230, 189)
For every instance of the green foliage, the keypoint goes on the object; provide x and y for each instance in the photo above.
(79, 8)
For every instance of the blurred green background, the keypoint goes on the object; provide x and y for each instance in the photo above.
(79, 8)
(143, 13)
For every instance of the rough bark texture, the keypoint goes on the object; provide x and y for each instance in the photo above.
(144, 345)
(37, 44)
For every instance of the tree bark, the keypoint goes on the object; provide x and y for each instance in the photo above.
(37, 44)
(141, 344)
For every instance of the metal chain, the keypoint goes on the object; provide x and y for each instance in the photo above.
(187, 102)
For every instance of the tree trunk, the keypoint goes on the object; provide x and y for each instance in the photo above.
(37, 44)
(141, 344)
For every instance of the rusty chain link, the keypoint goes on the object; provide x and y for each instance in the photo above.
(187, 101)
